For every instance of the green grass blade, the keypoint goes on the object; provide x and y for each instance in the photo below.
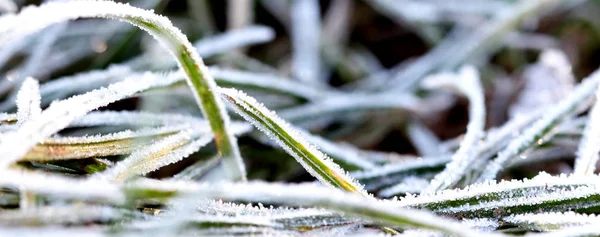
(316, 163)
(197, 75)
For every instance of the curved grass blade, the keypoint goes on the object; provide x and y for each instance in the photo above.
(316, 163)
(199, 79)
(467, 82)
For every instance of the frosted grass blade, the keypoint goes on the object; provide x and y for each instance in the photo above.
(32, 19)
(58, 115)
(551, 220)
(490, 199)
(28, 101)
(316, 163)
(468, 82)
(589, 147)
(352, 204)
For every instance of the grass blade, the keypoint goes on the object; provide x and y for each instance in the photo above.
(587, 154)
(28, 101)
(468, 83)
(199, 79)
(316, 163)
(551, 220)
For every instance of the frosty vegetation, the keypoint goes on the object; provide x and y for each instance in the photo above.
(286, 131)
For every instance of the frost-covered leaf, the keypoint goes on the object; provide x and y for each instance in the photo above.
(543, 192)
(551, 220)
(589, 147)
(119, 143)
(162, 152)
(15, 145)
(28, 101)
(316, 163)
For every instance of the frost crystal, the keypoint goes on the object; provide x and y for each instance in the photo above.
(28, 101)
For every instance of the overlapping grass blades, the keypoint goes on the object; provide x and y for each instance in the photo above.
(199, 79)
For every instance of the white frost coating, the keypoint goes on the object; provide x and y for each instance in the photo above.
(7, 6)
(28, 101)
(121, 135)
(482, 224)
(544, 126)
(7, 117)
(163, 152)
(541, 189)
(468, 82)
(551, 220)
(578, 231)
(352, 102)
(589, 147)
(59, 215)
(248, 107)
(312, 195)
(63, 187)
(305, 32)
(60, 114)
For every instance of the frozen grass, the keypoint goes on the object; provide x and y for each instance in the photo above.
(81, 155)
